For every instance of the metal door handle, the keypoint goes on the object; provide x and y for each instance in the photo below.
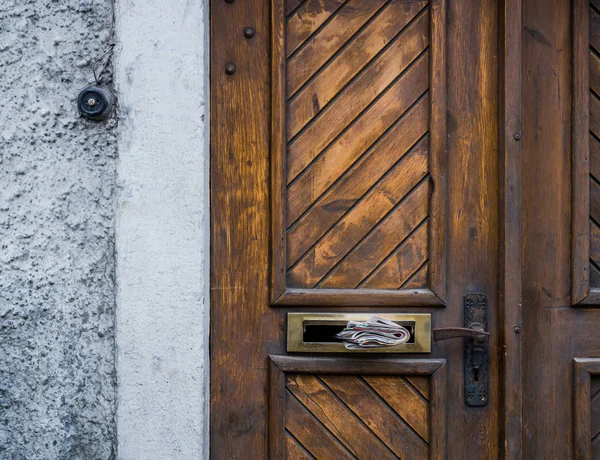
(476, 350)
(475, 331)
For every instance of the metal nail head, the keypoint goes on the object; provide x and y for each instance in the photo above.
(249, 32)
(230, 68)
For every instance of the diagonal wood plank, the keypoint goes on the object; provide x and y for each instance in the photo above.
(352, 59)
(360, 178)
(594, 275)
(594, 200)
(348, 191)
(364, 258)
(594, 242)
(595, 384)
(421, 383)
(321, 402)
(318, 49)
(595, 115)
(419, 280)
(405, 261)
(595, 72)
(595, 411)
(378, 416)
(363, 134)
(594, 29)
(404, 400)
(291, 5)
(355, 225)
(594, 157)
(295, 451)
(310, 433)
(371, 83)
(306, 20)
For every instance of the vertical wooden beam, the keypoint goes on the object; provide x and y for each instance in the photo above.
(580, 175)
(511, 227)
(278, 151)
(438, 157)
(243, 327)
(582, 448)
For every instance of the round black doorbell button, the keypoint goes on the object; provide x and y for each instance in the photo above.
(95, 103)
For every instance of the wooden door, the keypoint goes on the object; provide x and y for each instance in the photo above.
(398, 156)
(354, 168)
(561, 212)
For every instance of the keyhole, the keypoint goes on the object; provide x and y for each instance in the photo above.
(476, 374)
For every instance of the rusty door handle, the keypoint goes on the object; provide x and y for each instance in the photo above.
(475, 331)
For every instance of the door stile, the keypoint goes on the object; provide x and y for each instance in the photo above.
(511, 229)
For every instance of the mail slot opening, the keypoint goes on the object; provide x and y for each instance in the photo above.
(325, 331)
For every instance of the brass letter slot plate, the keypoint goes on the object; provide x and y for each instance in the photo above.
(315, 332)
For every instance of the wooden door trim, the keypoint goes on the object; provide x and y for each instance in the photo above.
(279, 365)
(580, 244)
(435, 294)
(583, 369)
(511, 229)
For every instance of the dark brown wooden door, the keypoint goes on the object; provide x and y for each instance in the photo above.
(561, 204)
(397, 156)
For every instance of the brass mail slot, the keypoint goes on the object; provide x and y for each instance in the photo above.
(315, 332)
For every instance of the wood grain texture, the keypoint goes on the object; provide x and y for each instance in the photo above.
(586, 154)
(295, 451)
(550, 420)
(511, 228)
(580, 152)
(306, 20)
(363, 91)
(358, 102)
(249, 149)
(586, 167)
(355, 56)
(337, 408)
(239, 230)
(391, 233)
(358, 180)
(586, 407)
(317, 51)
(473, 220)
(359, 222)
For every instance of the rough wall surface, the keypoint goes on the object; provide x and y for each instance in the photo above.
(57, 183)
(162, 229)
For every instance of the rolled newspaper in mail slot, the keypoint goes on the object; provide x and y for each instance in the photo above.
(376, 332)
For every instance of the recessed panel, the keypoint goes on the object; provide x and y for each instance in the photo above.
(359, 139)
(350, 409)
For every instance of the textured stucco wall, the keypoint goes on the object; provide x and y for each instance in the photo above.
(162, 229)
(57, 187)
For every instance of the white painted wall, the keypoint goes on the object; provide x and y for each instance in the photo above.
(162, 232)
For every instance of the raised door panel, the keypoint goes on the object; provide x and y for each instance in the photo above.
(586, 154)
(587, 409)
(358, 152)
(325, 408)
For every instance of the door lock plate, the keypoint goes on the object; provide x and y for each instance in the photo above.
(476, 353)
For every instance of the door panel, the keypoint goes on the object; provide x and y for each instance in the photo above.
(354, 168)
(345, 408)
(358, 154)
(587, 408)
(586, 155)
(561, 319)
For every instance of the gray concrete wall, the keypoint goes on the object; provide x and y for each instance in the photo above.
(57, 191)
(104, 276)
(162, 229)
